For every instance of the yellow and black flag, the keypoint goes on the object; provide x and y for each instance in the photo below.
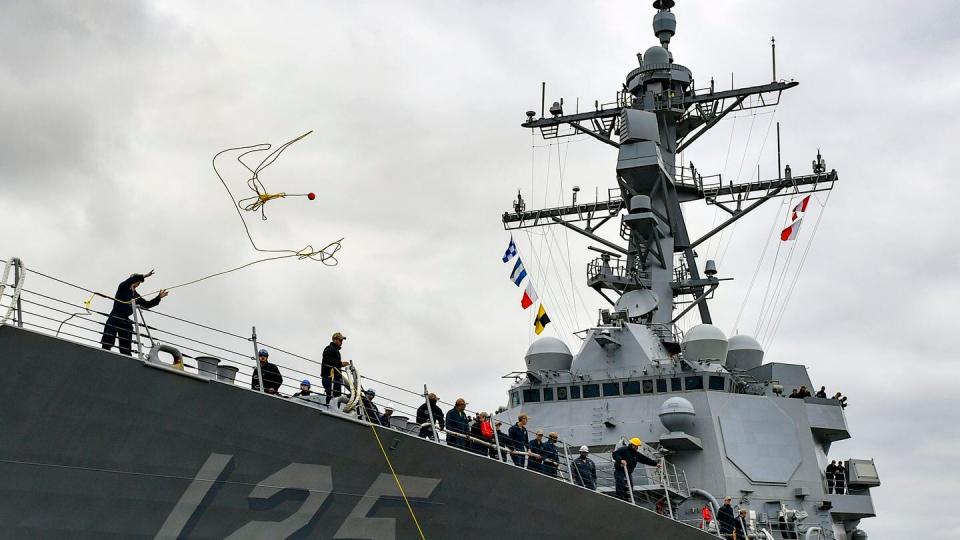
(541, 321)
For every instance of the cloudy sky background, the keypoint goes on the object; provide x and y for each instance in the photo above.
(111, 112)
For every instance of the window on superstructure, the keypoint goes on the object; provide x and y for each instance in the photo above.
(661, 386)
(694, 382)
(515, 398)
(611, 389)
(675, 385)
(531, 395)
(631, 388)
(574, 392)
(716, 382)
(548, 394)
(562, 393)
(591, 390)
(648, 386)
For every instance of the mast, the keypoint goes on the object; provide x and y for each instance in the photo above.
(658, 114)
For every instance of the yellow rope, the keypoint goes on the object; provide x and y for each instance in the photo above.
(397, 480)
(262, 199)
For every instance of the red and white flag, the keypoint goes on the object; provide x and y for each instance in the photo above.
(529, 296)
(801, 207)
(791, 232)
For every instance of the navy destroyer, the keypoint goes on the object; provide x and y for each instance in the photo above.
(98, 444)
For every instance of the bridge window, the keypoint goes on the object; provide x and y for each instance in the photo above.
(574, 392)
(674, 385)
(611, 389)
(531, 395)
(591, 390)
(648, 386)
(515, 398)
(631, 388)
(694, 382)
(661, 386)
(562, 393)
(716, 382)
(548, 394)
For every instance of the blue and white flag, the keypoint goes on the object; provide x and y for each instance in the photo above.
(519, 272)
(511, 251)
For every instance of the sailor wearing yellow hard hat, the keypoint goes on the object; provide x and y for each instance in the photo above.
(625, 459)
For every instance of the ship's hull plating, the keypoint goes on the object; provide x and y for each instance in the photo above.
(93, 444)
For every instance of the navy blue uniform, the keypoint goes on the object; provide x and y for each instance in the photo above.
(536, 463)
(456, 423)
(423, 417)
(519, 442)
(585, 472)
(726, 520)
(551, 458)
(632, 457)
(271, 377)
(330, 375)
(119, 327)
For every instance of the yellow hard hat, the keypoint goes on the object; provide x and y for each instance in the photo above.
(636, 442)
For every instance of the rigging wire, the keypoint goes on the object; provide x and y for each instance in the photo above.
(796, 277)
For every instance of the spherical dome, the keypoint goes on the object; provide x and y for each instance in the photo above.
(744, 342)
(548, 353)
(677, 414)
(637, 303)
(706, 343)
(744, 353)
(656, 55)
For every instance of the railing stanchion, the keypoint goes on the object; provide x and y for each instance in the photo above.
(566, 454)
(433, 425)
(626, 472)
(17, 263)
(666, 485)
(256, 359)
(136, 328)
(496, 437)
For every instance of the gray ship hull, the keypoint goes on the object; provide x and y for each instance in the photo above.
(99, 445)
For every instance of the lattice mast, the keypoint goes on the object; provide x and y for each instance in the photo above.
(658, 113)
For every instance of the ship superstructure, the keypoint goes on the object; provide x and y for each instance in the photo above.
(709, 405)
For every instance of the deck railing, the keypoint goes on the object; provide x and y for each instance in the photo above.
(161, 339)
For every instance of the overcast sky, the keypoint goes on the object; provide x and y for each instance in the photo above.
(111, 112)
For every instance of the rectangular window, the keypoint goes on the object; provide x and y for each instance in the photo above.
(648, 386)
(661, 386)
(574, 392)
(611, 389)
(531, 395)
(631, 388)
(548, 394)
(591, 390)
(694, 382)
(674, 385)
(562, 393)
(515, 398)
(716, 382)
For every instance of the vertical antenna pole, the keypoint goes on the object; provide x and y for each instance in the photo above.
(256, 358)
(779, 169)
(773, 52)
(543, 98)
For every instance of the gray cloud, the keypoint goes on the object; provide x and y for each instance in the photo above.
(112, 111)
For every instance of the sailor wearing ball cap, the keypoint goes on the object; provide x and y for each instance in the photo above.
(627, 457)
(330, 366)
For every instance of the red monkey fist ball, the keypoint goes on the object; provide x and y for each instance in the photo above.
(311, 196)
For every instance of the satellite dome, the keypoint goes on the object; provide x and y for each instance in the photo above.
(677, 414)
(704, 342)
(637, 303)
(656, 55)
(744, 352)
(548, 353)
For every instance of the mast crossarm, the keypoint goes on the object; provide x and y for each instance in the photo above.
(567, 214)
(797, 185)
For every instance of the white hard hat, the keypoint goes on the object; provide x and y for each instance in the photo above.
(584, 449)
(389, 407)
